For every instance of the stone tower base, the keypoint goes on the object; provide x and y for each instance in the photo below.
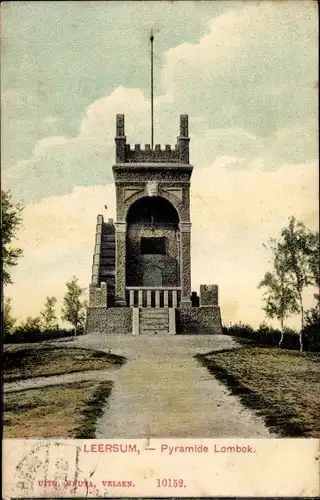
(202, 318)
(109, 321)
(118, 320)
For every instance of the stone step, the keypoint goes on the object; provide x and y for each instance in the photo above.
(153, 318)
(153, 321)
(156, 316)
(154, 332)
(153, 324)
(150, 325)
(154, 312)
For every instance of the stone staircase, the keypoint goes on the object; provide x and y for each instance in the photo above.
(154, 320)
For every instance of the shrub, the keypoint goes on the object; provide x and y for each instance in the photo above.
(30, 326)
(311, 330)
(269, 336)
(245, 331)
(290, 340)
(20, 336)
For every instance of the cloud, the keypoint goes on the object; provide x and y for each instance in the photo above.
(58, 164)
(247, 84)
(233, 214)
(58, 239)
(246, 79)
(98, 47)
(247, 69)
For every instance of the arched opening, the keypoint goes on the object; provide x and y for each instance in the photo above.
(154, 209)
(153, 243)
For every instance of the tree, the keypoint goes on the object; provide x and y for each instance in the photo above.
(8, 320)
(280, 298)
(48, 315)
(11, 220)
(73, 309)
(313, 259)
(295, 267)
(296, 244)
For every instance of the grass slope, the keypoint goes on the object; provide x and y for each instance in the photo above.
(282, 386)
(60, 411)
(36, 360)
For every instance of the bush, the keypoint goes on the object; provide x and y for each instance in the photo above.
(268, 336)
(311, 330)
(30, 326)
(245, 331)
(20, 336)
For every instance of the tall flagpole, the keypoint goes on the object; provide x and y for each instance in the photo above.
(151, 40)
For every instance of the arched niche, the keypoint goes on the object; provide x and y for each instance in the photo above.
(153, 243)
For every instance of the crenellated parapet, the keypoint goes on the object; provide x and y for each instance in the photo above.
(156, 155)
(179, 153)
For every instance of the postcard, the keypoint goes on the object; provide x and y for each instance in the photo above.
(160, 222)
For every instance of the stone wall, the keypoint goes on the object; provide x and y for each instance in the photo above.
(199, 320)
(140, 155)
(114, 320)
(118, 320)
(138, 263)
(98, 295)
(209, 295)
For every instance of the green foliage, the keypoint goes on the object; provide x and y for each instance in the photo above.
(313, 260)
(8, 320)
(311, 330)
(295, 266)
(48, 315)
(296, 244)
(265, 335)
(73, 309)
(279, 297)
(11, 220)
(30, 326)
(240, 330)
(19, 336)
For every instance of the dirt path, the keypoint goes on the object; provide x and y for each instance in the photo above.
(162, 391)
(68, 378)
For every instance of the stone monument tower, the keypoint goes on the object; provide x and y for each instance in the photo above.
(141, 274)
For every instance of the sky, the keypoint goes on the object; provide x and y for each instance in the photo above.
(246, 74)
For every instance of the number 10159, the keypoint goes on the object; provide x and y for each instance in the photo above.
(170, 483)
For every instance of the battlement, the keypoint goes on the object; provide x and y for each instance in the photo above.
(146, 154)
(177, 154)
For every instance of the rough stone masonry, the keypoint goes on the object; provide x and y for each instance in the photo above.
(141, 272)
